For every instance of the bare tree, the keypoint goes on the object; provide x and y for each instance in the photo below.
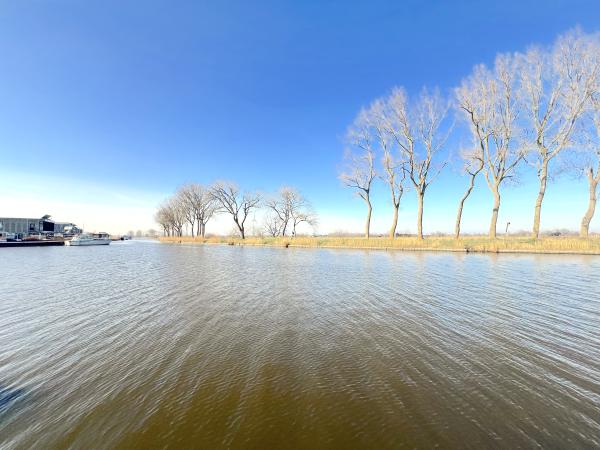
(593, 180)
(184, 197)
(487, 100)
(304, 214)
(272, 224)
(473, 164)
(590, 163)
(378, 117)
(420, 135)
(394, 177)
(163, 218)
(360, 170)
(201, 203)
(229, 197)
(178, 215)
(290, 208)
(555, 87)
(281, 206)
(171, 216)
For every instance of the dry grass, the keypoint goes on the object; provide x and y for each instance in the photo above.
(573, 245)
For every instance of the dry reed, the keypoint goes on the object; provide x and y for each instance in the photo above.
(573, 245)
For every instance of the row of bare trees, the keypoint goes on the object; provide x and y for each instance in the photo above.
(527, 109)
(193, 205)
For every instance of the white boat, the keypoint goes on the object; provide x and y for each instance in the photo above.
(90, 239)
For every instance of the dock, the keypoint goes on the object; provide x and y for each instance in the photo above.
(47, 243)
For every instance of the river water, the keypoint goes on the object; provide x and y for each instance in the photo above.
(146, 345)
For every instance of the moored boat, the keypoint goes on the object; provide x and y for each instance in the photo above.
(90, 239)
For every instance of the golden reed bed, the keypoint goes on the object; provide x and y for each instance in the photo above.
(553, 245)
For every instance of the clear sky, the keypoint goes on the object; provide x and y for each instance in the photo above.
(107, 106)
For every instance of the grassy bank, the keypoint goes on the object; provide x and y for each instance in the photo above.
(572, 245)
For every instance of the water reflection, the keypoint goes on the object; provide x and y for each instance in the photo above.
(141, 345)
(9, 396)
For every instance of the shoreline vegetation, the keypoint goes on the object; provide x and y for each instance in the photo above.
(467, 244)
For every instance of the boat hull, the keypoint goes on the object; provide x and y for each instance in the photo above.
(77, 243)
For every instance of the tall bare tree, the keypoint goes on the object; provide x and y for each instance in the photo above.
(489, 106)
(229, 197)
(555, 87)
(590, 163)
(593, 180)
(420, 134)
(473, 165)
(360, 167)
(394, 176)
(379, 122)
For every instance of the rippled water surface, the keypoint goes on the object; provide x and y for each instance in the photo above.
(143, 345)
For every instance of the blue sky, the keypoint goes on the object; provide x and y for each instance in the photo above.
(105, 107)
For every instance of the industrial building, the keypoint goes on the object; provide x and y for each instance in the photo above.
(43, 225)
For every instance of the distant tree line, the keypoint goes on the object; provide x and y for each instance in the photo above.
(151, 233)
(193, 205)
(527, 109)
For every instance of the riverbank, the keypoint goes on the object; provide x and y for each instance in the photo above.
(551, 245)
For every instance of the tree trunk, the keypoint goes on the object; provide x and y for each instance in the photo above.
(461, 205)
(240, 226)
(198, 228)
(394, 221)
(368, 222)
(420, 197)
(203, 230)
(589, 214)
(494, 221)
(543, 176)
